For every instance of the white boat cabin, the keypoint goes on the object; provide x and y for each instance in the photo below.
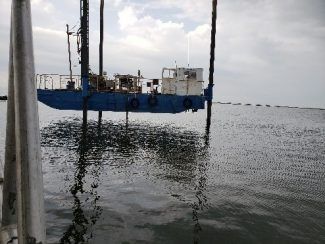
(182, 81)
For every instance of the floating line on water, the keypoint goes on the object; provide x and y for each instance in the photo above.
(266, 105)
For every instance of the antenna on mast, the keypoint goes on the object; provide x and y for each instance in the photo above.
(188, 50)
(69, 52)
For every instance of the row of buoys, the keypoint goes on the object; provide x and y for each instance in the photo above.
(267, 105)
(3, 98)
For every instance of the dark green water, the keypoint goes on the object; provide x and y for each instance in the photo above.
(257, 177)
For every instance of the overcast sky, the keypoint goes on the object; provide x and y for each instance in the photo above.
(267, 51)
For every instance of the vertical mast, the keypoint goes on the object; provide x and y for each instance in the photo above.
(101, 37)
(188, 50)
(84, 20)
(69, 51)
(101, 45)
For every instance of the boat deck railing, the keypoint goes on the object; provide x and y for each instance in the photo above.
(56, 81)
(65, 82)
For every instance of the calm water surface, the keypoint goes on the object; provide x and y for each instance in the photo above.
(257, 177)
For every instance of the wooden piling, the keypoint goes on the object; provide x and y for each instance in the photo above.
(211, 69)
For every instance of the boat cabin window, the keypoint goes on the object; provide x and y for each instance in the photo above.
(155, 82)
(169, 73)
(189, 74)
(126, 82)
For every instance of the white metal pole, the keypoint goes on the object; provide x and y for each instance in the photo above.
(9, 216)
(8, 232)
(30, 200)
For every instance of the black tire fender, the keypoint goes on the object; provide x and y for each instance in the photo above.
(187, 103)
(134, 103)
(152, 101)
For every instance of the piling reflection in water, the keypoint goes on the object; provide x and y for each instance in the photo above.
(202, 201)
(176, 154)
(78, 231)
(258, 178)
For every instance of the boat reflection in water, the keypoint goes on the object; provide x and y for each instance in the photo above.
(96, 151)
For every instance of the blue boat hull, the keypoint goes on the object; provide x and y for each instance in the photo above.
(120, 102)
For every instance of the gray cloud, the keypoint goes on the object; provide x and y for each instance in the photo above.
(267, 51)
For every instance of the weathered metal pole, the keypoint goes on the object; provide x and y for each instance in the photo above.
(29, 178)
(101, 46)
(84, 20)
(212, 56)
(9, 193)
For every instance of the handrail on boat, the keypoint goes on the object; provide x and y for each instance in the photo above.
(58, 81)
(54, 81)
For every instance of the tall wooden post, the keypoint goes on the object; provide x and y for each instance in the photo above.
(101, 46)
(84, 20)
(212, 56)
(101, 37)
